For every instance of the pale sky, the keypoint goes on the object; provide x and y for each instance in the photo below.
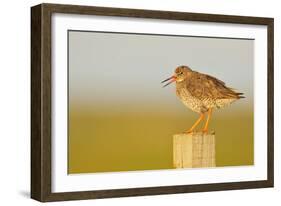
(127, 68)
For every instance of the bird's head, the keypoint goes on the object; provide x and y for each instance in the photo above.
(180, 74)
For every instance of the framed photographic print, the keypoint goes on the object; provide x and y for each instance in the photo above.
(128, 102)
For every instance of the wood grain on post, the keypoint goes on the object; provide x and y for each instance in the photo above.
(194, 150)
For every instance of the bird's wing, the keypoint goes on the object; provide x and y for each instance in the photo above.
(203, 86)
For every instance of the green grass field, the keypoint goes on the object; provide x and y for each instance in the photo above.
(110, 142)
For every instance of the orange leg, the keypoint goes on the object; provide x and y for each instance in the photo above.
(205, 130)
(196, 123)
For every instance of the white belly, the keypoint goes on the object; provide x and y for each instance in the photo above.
(201, 106)
(191, 102)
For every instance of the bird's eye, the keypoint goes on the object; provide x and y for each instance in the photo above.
(181, 73)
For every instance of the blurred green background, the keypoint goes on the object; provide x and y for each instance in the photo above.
(100, 142)
(120, 119)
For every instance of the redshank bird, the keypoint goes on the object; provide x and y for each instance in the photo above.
(201, 93)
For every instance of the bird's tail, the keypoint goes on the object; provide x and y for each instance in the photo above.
(240, 95)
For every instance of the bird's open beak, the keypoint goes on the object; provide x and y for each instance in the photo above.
(172, 78)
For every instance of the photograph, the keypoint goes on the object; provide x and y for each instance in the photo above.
(144, 101)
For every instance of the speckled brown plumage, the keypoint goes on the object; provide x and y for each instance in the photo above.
(201, 92)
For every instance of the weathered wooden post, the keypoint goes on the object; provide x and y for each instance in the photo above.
(194, 150)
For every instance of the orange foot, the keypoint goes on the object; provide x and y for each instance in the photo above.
(205, 131)
(189, 132)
